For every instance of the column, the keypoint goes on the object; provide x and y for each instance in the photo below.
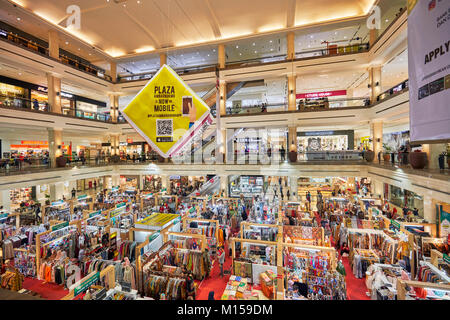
(141, 182)
(292, 82)
(165, 181)
(6, 200)
(373, 36)
(378, 188)
(114, 137)
(53, 44)
(56, 191)
(224, 185)
(290, 45)
(223, 97)
(54, 144)
(54, 90)
(115, 180)
(221, 56)
(293, 185)
(114, 107)
(375, 83)
(292, 142)
(376, 134)
(5, 146)
(113, 71)
(429, 209)
(162, 59)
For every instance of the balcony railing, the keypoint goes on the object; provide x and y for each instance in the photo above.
(24, 104)
(396, 90)
(37, 48)
(333, 51)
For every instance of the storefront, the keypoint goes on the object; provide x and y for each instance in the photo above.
(325, 140)
(401, 197)
(16, 93)
(88, 184)
(395, 140)
(248, 186)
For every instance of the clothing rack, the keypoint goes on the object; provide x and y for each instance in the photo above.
(76, 223)
(201, 237)
(401, 287)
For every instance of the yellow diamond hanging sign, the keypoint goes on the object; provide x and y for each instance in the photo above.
(167, 113)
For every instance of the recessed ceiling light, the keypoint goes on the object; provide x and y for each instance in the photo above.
(240, 54)
(138, 2)
(18, 18)
(237, 47)
(387, 20)
(124, 5)
(67, 42)
(312, 36)
(253, 43)
(271, 49)
(270, 41)
(208, 54)
(79, 49)
(256, 51)
(20, 73)
(214, 50)
(345, 37)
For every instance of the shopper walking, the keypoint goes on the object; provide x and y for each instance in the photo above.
(288, 194)
(283, 153)
(211, 295)
(73, 193)
(221, 259)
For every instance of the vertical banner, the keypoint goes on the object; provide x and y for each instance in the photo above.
(444, 220)
(429, 69)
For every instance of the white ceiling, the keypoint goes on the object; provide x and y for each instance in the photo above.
(158, 24)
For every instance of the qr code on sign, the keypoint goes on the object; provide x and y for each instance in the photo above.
(164, 127)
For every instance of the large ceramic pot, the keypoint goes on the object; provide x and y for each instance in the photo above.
(418, 160)
(292, 156)
(369, 155)
(61, 161)
(115, 159)
(386, 157)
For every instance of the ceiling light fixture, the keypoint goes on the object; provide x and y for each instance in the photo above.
(18, 18)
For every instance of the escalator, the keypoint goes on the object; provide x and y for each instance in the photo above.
(210, 187)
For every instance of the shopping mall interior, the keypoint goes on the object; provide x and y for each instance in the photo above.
(309, 182)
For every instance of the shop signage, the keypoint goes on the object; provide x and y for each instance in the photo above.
(95, 213)
(87, 283)
(57, 203)
(123, 144)
(120, 205)
(167, 113)
(60, 226)
(446, 258)
(82, 197)
(395, 224)
(153, 236)
(114, 189)
(428, 57)
(324, 94)
(3, 215)
(129, 141)
(444, 220)
(174, 178)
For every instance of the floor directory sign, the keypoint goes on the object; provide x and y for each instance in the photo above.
(429, 69)
(167, 113)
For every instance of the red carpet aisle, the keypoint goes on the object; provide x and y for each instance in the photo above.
(214, 282)
(50, 291)
(356, 288)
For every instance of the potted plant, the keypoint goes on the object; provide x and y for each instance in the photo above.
(369, 155)
(418, 159)
(386, 152)
(61, 161)
(292, 155)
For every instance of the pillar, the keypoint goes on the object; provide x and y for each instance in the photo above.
(54, 144)
(376, 134)
(113, 71)
(5, 146)
(433, 151)
(141, 182)
(115, 180)
(221, 56)
(373, 36)
(292, 91)
(374, 78)
(6, 200)
(293, 185)
(114, 107)
(54, 91)
(56, 191)
(162, 59)
(224, 185)
(378, 188)
(290, 45)
(114, 137)
(429, 209)
(292, 142)
(223, 97)
(165, 181)
(53, 44)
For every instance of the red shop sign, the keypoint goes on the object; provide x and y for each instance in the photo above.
(323, 94)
